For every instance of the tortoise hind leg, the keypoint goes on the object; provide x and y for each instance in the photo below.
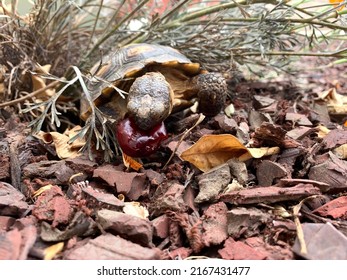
(212, 92)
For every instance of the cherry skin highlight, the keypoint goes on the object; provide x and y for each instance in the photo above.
(136, 142)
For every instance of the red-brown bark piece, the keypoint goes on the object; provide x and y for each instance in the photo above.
(213, 182)
(131, 184)
(161, 226)
(179, 253)
(237, 250)
(288, 182)
(11, 201)
(168, 196)
(260, 101)
(300, 132)
(53, 206)
(332, 172)
(225, 123)
(5, 223)
(256, 119)
(101, 199)
(299, 119)
(56, 171)
(272, 252)
(81, 164)
(155, 178)
(323, 242)
(110, 247)
(10, 243)
(132, 228)
(5, 167)
(80, 225)
(335, 138)
(246, 221)
(336, 208)
(267, 171)
(16, 243)
(269, 194)
(270, 134)
(214, 224)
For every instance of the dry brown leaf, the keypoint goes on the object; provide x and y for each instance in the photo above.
(39, 82)
(129, 162)
(259, 152)
(53, 250)
(322, 131)
(341, 151)
(63, 147)
(336, 103)
(213, 150)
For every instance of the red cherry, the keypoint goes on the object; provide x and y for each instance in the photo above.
(136, 142)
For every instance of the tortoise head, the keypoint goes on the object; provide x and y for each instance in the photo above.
(150, 100)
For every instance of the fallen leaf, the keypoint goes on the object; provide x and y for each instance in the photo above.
(39, 82)
(213, 150)
(322, 131)
(260, 152)
(129, 162)
(341, 151)
(336, 102)
(63, 146)
(53, 250)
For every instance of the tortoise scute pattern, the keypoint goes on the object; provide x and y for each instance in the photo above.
(149, 100)
(212, 93)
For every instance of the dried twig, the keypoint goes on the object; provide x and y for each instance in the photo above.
(30, 95)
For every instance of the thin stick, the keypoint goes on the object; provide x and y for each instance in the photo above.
(34, 93)
(201, 118)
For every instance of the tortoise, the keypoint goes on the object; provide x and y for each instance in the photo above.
(157, 80)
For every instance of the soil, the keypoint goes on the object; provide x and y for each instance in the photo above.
(290, 204)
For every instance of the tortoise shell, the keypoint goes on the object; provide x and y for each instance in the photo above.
(120, 68)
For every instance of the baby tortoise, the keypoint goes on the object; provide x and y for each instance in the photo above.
(158, 80)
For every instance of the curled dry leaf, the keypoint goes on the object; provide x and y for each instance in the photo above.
(259, 152)
(213, 150)
(39, 82)
(129, 162)
(63, 146)
(336, 102)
